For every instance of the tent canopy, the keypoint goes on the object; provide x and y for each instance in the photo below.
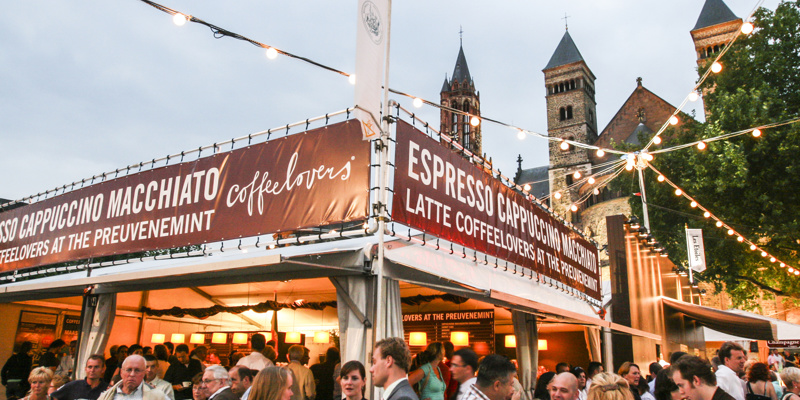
(724, 321)
(786, 330)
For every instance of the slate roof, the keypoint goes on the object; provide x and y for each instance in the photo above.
(461, 70)
(566, 53)
(714, 12)
(634, 137)
(540, 176)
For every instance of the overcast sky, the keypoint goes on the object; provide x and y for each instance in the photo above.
(93, 85)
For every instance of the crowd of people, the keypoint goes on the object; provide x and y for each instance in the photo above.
(168, 372)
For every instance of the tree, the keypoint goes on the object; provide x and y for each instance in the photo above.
(752, 184)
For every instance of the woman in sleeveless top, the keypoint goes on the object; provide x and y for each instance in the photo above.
(791, 378)
(429, 377)
(758, 381)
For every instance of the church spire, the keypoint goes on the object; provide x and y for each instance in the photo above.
(458, 93)
(566, 53)
(714, 12)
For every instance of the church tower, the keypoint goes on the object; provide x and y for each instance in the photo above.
(459, 93)
(714, 28)
(571, 115)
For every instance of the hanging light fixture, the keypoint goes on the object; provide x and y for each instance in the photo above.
(459, 338)
(511, 341)
(293, 337)
(219, 338)
(158, 338)
(542, 344)
(197, 338)
(417, 339)
(322, 337)
(177, 338)
(239, 338)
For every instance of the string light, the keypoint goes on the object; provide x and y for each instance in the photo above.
(740, 239)
(716, 67)
(352, 79)
(693, 96)
(752, 247)
(756, 132)
(719, 224)
(527, 187)
(730, 231)
(475, 121)
(706, 214)
(557, 195)
(693, 204)
(600, 153)
(678, 192)
(701, 145)
(657, 139)
(574, 208)
(747, 28)
(521, 134)
(577, 175)
(673, 120)
(273, 54)
(564, 145)
(591, 180)
(417, 102)
(179, 19)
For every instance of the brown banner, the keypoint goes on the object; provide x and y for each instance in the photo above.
(441, 193)
(308, 179)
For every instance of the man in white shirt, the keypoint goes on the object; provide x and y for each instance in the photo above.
(152, 379)
(733, 358)
(775, 360)
(256, 360)
(463, 366)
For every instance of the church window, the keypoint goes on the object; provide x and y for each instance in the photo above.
(572, 84)
(569, 179)
(569, 112)
(561, 87)
(465, 140)
(562, 113)
(591, 116)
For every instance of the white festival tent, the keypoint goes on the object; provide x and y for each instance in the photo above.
(786, 330)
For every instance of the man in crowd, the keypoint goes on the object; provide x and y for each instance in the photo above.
(88, 388)
(733, 358)
(241, 379)
(217, 383)
(115, 361)
(495, 379)
(50, 358)
(132, 386)
(180, 374)
(593, 369)
(68, 361)
(152, 379)
(564, 386)
(303, 386)
(775, 360)
(256, 359)
(390, 362)
(695, 380)
(463, 366)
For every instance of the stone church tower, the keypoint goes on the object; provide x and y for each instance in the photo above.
(571, 115)
(715, 26)
(459, 93)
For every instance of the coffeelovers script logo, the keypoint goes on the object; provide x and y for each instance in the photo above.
(263, 185)
(371, 17)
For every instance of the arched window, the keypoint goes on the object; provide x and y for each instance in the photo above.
(572, 84)
(561, 87)
(569, 112)
(562, 113)
(465, 140)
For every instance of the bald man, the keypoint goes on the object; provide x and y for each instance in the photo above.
(133, 371)
(564, 386)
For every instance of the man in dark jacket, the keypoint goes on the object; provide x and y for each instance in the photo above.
(180, 374)
(15, 372)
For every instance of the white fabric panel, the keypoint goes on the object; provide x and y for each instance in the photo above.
(97, 318)
(353, 333)
(527, 350)
(393, 317)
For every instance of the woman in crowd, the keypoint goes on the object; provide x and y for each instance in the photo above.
(40, 381)
(352, 380)
(580, 375)
(162, 357)
(198, 391)
(57, 382)
(429, 376)
(758, 381)
(791, 378)
(631, 373)
(540, 392)
(608, 386)
(272, 383)
(665, 388)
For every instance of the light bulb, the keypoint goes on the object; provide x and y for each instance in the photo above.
(577, 175)
(475, 121)
(706, 214)
(179, 19)
(596, 191)
(574, 208)
(661, 178)
(352, 79)
(756, 132)
(600, 152)
(557, 195)
(719, 224)
(730, 231)
(527, 187)
(272, 246)
(716, 67)
(564, 145)
(521, 134)
(747, 28)
(752, 247)
(417, 102)
(740, 239)
(678, 192)
(772, 259)
(591, 180)
(273, 54)
(796, 272)
(673, 120)
(693, 96)
(790, 270)
(657, 140)
(629, 167)
(701, 145)
(647, 156)
(693, 204)
(782, 265)
(763, 254)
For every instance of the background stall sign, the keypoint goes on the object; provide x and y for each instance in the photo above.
(439, 192)
(438, 326)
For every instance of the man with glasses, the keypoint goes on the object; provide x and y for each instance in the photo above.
(217, 383)
(132, 386)
(89, 388)
(463, 365)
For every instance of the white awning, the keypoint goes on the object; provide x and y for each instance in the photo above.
(786, 330)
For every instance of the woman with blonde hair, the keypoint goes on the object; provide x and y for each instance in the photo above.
(40, 381)
(272, 383)
(791, 378)
(608, 386)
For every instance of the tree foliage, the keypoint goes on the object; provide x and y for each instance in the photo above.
(752, 184)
